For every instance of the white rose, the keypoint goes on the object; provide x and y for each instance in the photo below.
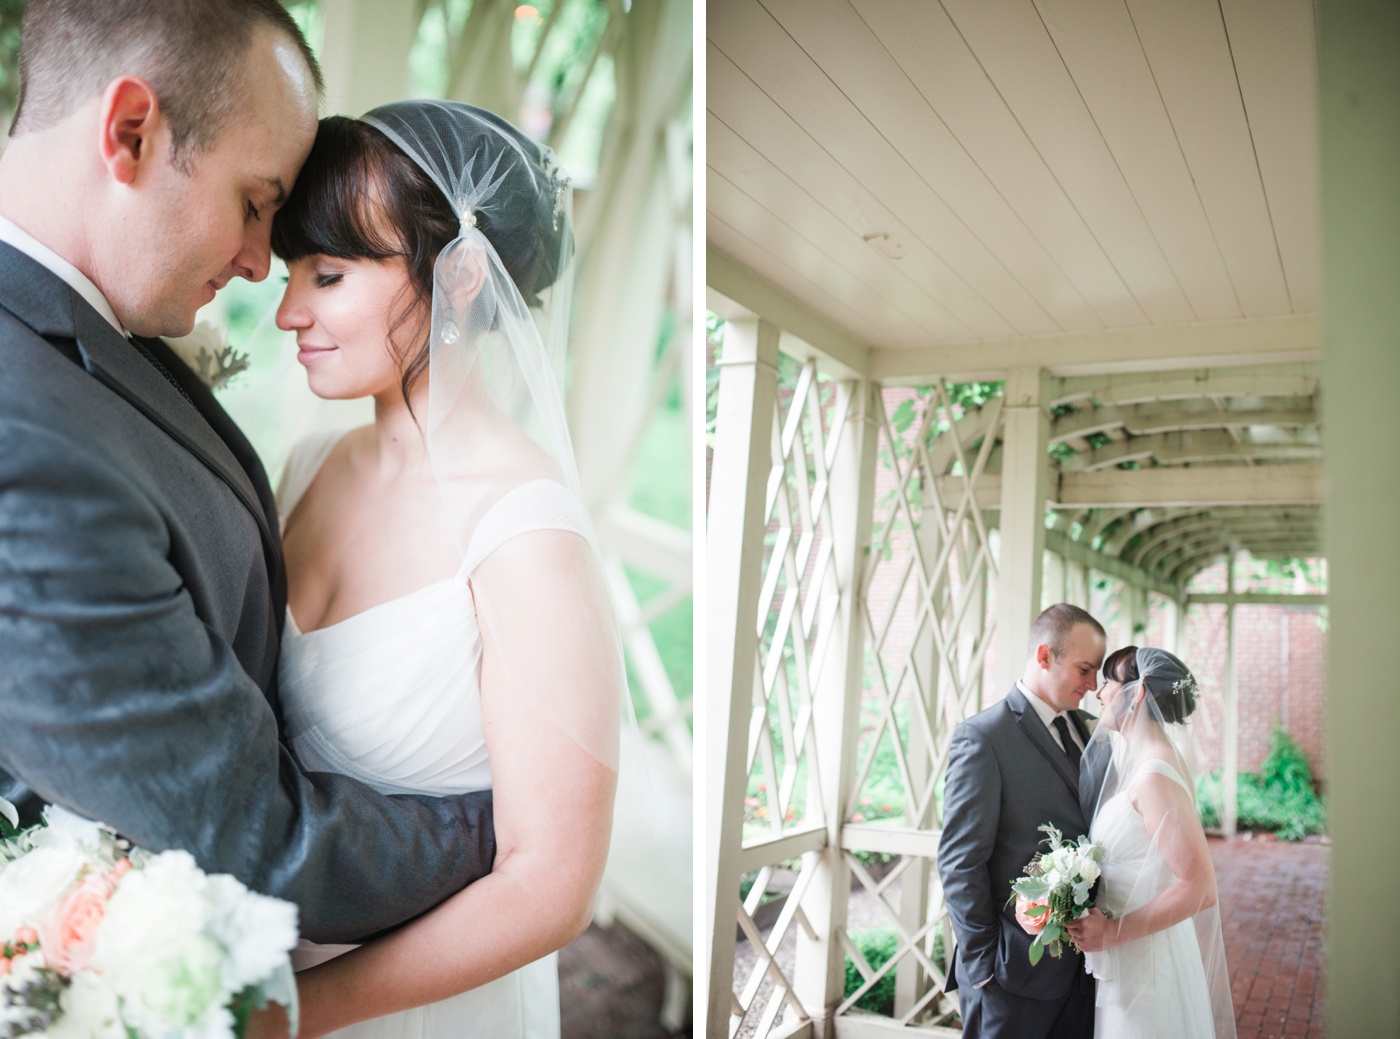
(256, 932)
(32, 887)
(152, 948)
(90, 1011)
(1089, 870)
(66, 828)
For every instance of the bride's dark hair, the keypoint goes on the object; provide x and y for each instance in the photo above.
(1121, 665)
(1176, 701)
(359, 197)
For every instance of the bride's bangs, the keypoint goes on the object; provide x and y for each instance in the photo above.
(337, 206)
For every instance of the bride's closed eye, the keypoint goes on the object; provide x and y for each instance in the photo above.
(327, 278)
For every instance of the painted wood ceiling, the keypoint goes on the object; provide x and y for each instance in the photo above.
(925, 172)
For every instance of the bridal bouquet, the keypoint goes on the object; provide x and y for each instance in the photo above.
(1055, 890)
(102, 940)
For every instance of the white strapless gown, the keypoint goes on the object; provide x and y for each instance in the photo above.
(1155, 986)
(391, 696)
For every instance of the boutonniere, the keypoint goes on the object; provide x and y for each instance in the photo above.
(207, 353)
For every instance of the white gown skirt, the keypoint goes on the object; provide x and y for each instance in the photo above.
(522, 1005)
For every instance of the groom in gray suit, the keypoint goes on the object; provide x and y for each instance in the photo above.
(142, 590)
(1012, 768)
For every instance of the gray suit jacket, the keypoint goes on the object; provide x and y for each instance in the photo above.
(142, 594)
(1006, 776)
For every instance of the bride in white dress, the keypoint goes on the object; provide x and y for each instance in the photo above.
(1153, 941)
(447, 628)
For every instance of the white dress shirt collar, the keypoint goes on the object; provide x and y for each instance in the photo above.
(1048, 714)
(12, 234)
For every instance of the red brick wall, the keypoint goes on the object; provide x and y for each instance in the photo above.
(1281, 679)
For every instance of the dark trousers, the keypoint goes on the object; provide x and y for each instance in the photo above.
(993, 1013)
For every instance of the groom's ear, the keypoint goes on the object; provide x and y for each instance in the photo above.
(128, 118)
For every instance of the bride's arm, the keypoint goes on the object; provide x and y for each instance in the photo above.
(1169, 814)
(553, 798)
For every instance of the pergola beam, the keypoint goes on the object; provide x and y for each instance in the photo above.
(1223, 344)
(1075, 552)
(1260, 545)
(1211, 485)
(1188, 567)
(1277, 380)
(1179, 415)
(736, 293)
(1175, 487)
(1168, 537)
(1182, 446)
(1256, 599)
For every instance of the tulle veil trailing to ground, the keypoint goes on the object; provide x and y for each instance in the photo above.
(1177, 975)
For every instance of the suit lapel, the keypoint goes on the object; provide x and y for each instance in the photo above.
(244, 454)
(1038, 734)
(115, 362)
(49, 306)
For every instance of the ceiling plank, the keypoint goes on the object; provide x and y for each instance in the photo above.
(1016, 52)
(832, 309)
(860, 65)
(1100, 47)
(736, 103)
(781, 221)
(928, 49)
(736, 292)
(748, 35)
(1265, 37)
(1189, 52)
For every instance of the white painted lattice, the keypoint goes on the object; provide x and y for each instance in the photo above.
(928, 627)
(799, 597)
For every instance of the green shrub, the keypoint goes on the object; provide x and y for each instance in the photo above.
(1280, 798)
(877, 946)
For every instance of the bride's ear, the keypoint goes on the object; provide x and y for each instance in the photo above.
(461, 283)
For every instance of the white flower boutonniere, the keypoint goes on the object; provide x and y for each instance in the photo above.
(207, 352)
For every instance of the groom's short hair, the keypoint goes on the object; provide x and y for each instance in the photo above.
(1054, 624)
(192, 52)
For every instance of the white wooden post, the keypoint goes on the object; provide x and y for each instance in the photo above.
(1137, 614)
(364, 56)
(742, 460)
(1076, 584)
(1360, 144)
(1229, 790)
(1176, 621)
(1025, 487)
(820, 974)
(910, 979)
(1054, 590)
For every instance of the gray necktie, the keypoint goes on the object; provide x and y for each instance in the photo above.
(1071, 748)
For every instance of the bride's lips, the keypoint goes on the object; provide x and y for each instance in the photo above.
(308, 354)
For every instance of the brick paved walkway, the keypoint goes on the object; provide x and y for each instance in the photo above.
(1272, 909)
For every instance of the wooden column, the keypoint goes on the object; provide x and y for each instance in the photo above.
(1055, 580)
(820, 974)
(1176, 625)
(1360, 145)
(1229, 791)
(742, 461)
(364, 56)
(1076, 584)
(910, 979)
(1025, 488)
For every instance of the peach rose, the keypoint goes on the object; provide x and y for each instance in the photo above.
(69, 936)
(1030, 924)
